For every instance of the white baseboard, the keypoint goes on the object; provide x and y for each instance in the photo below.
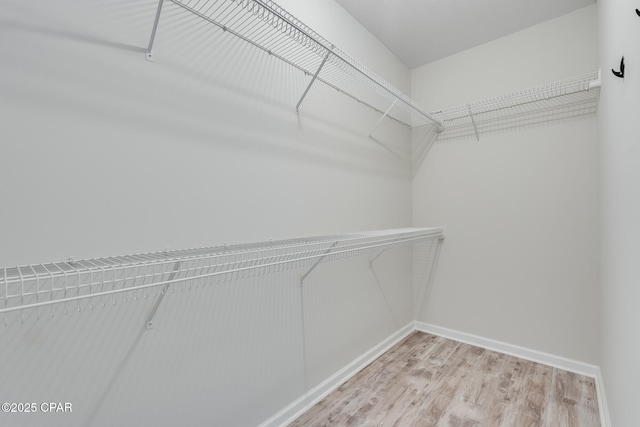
(605, 419)
(319, 392)
(570, 365)
(512, 350)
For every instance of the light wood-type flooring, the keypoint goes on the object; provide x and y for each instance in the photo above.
(427, 380)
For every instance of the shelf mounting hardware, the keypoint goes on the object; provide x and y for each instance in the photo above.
(386, 113)
(315, 76)
(473, 122)
(148, 54)
(163, 292)
(379, 284)
(317, 262)
(376, 256)
(422, 299)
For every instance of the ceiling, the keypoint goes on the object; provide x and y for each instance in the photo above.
(422, 31)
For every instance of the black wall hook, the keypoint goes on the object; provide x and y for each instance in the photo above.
(621, 72)
(638, 12)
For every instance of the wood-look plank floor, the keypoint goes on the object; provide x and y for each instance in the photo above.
(427, 380)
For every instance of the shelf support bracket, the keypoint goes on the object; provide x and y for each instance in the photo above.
(163, 292)
(315, 76)
(148, 54)
(318, 261)
(384, 296)
(473, 122)
(422, 300)
(376, 257)
(386, 113)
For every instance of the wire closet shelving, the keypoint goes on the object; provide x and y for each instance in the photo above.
(83, 284)
(269, 27)
(565, 99)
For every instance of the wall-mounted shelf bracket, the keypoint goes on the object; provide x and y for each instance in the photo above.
(380, 288)
(149, 54)
(315, 76)
(163, 292)
(376, 256)
(473, 122)
(386, 113)
(426, 289)
(317, 262)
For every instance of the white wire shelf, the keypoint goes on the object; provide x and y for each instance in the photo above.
(80, 284)
(562, 100)
(269, 27)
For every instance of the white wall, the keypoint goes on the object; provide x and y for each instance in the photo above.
(520, 262)
(620, 175)
(104, 153)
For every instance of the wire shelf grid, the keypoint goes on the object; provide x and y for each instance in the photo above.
(269, 27)
(565, 99)
(100, 280)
